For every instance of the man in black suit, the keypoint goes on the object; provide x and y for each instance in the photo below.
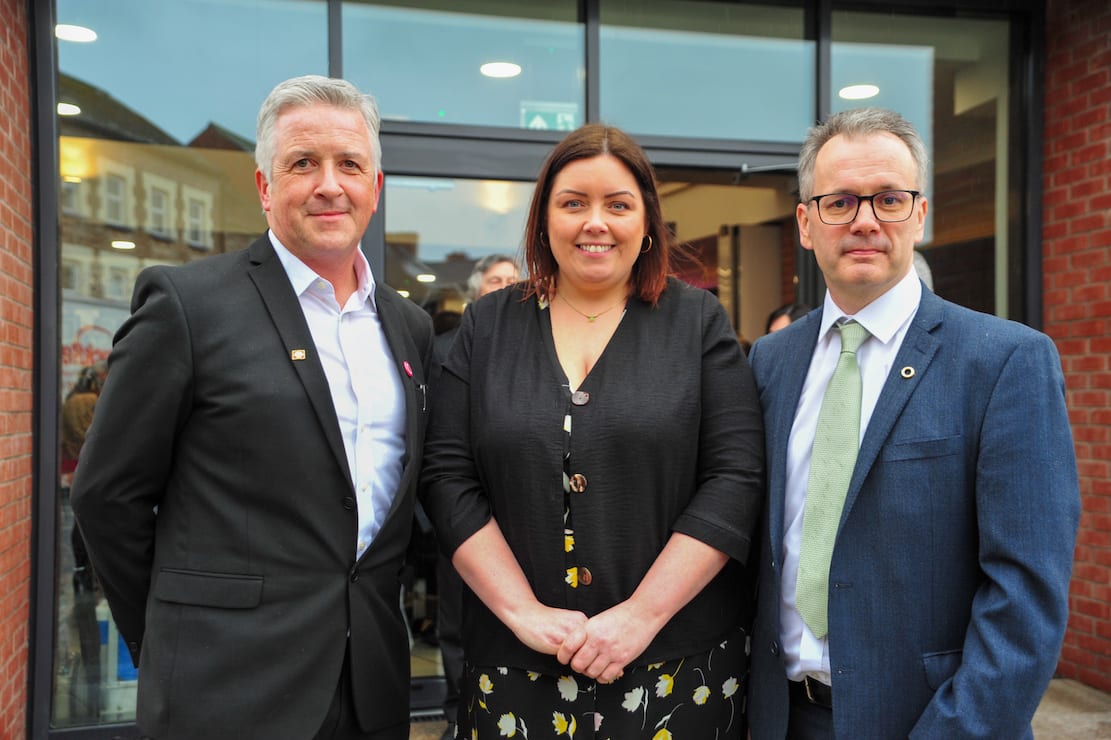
(246, 489)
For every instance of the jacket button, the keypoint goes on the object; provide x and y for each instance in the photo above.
(348, 503)
(578, 482)
(580, 398)
(775, 648)
(585, 576)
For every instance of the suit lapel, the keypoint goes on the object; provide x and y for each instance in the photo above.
(917, 352)
(409, 364)
(285, 310)
(786, 381)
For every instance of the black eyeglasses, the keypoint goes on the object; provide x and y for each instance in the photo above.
(891, 206)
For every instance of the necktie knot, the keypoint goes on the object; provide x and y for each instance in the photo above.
(852, 336)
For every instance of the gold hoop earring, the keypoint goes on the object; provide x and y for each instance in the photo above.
(649, 249)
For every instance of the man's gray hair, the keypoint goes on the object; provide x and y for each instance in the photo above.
(854, 123)
(474, 282)
(311, 90)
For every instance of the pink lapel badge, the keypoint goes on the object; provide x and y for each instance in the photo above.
(408, 368)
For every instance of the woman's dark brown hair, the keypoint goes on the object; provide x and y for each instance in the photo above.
(652, 267)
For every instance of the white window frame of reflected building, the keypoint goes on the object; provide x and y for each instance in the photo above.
(198, 217)
(116, 209)
(161, 217)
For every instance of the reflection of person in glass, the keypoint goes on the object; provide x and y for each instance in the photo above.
(490, 273)
(246, 489)
(77, 416)
(594, 466)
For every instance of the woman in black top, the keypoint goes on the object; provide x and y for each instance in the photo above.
(594, 466)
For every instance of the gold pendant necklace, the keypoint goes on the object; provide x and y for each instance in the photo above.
(587, 316)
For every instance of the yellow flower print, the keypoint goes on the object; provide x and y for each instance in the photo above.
(507, 725)
(568, 688)
(568, 542)
(655, 666)
(633, 699)
(701, 694)
(487, 687)
(663, 734)
(664, 685)
(729, 687)
(533, 675)
(572, 577)
(563, 725)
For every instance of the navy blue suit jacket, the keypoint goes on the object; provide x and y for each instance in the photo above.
(950, 573)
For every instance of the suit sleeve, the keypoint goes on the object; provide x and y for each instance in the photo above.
(1028, 509)
(128, 454)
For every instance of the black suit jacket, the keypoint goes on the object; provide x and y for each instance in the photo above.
(218, 507)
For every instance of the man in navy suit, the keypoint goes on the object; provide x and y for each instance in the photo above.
(947, 592)
(247, 488)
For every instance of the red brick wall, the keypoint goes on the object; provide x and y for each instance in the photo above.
(1077, 272)
(16, 317)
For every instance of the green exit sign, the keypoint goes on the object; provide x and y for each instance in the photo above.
(549, 116)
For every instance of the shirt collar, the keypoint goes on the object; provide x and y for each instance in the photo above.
(882, 317)
(301, 276)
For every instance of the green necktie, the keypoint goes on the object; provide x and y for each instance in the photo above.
(832, 460)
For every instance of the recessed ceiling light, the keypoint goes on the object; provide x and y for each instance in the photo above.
(858, 92)
(122, 244)
(500, 69)
(425, 277)
(80, 34)
(68, 109)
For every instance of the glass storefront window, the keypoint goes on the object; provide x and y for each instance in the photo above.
(948, 76)
(156, 166)
(426, 61)
(706, 69)
(430, 259)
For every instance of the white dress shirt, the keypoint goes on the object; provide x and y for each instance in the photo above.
(887, 319)
(366, 388)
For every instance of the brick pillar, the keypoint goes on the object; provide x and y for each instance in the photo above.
(16, 337)
(1077, 274)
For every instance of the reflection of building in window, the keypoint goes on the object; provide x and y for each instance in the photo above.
(72, 204)
(76, 270)
(198, 206)
(70, 274)
(118, 285)
(116, 185)
(115, 199)
(158, 206)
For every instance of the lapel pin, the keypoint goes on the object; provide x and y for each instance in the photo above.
(297, 354)
(408, 368)
(907, 372)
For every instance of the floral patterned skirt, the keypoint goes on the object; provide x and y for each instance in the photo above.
(699, 697)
